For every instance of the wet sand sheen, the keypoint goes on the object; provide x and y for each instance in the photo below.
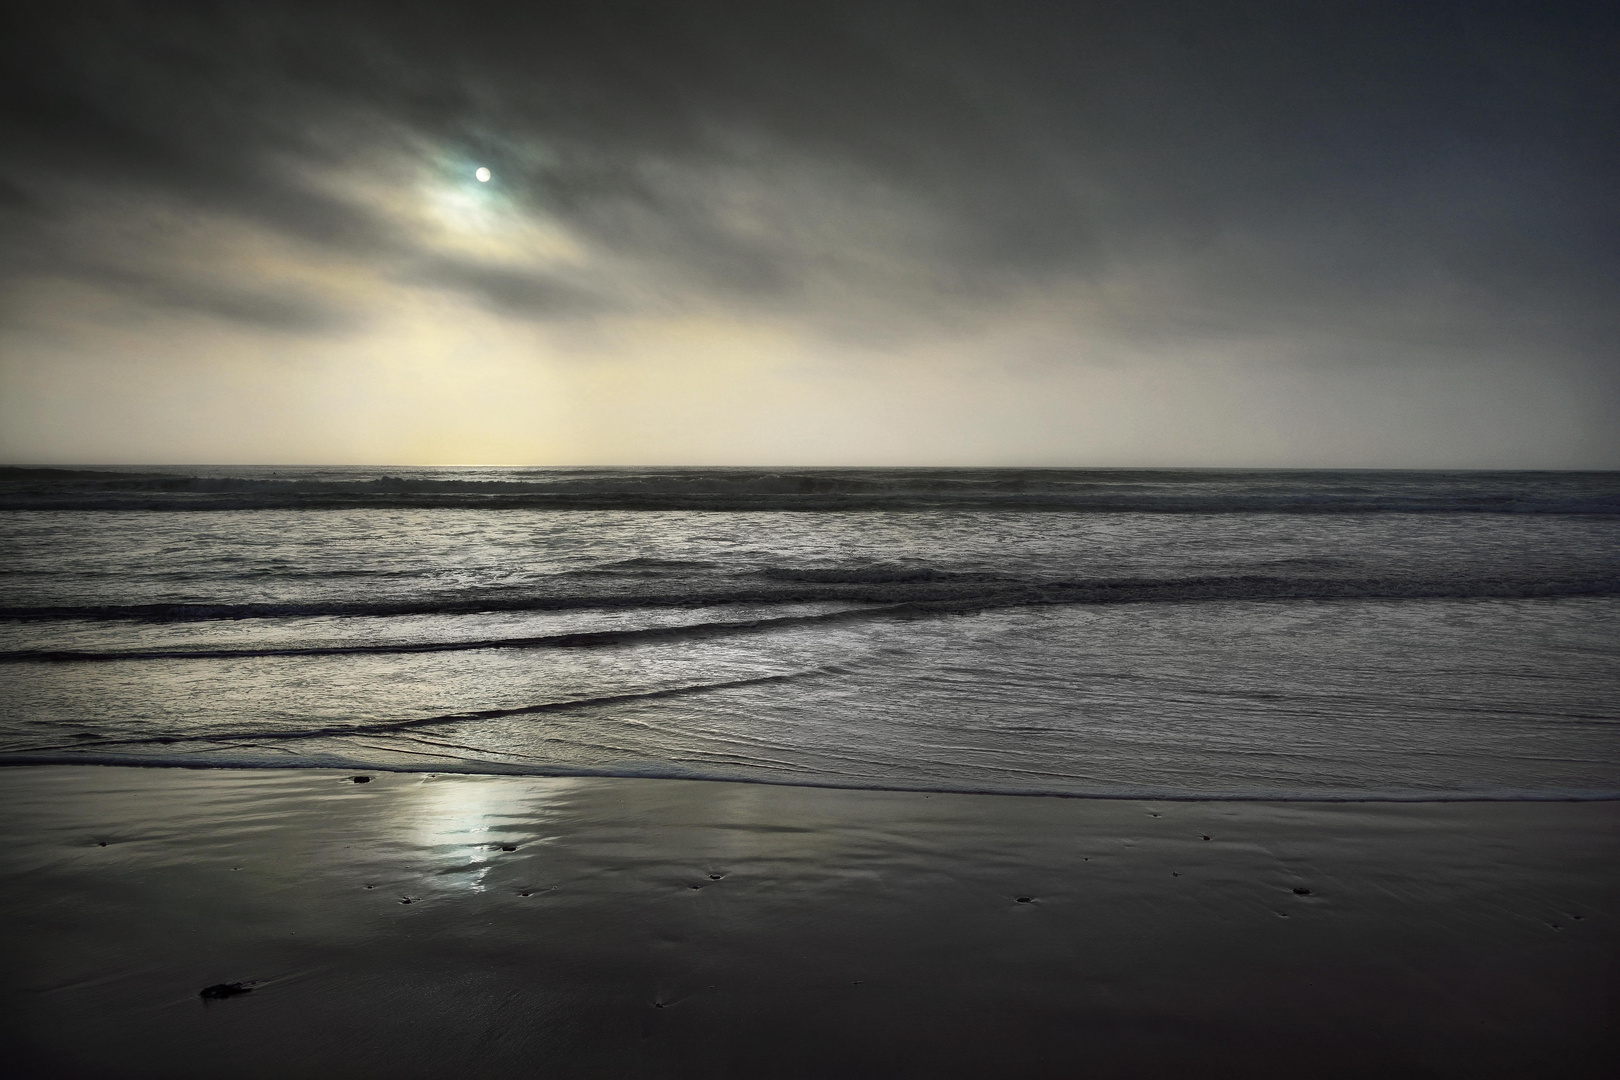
(429, 926)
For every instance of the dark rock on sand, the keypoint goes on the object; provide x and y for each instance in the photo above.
(224, 990)
(361, 779)
(1302, 892)
(1024, 899)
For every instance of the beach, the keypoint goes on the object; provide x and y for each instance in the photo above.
(431, 925)
(809, 540)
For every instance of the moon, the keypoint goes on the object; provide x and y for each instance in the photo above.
(482, 174)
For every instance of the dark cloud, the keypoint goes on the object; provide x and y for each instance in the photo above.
(524, 294)
(1404, 172)
(278, 310)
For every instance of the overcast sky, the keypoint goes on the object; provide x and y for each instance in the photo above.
(823, 233)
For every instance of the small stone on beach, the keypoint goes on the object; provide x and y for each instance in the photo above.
(224, 990)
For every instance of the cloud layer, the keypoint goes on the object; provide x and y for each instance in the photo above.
(1312, 206)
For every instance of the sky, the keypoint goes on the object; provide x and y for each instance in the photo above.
(1001, 233)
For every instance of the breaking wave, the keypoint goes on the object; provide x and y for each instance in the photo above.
(891, 594)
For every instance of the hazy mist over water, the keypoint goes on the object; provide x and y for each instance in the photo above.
(1175, 634)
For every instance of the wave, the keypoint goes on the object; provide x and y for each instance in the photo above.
(578, 640)
(1168, 491)
(456, 604)
(883, 594)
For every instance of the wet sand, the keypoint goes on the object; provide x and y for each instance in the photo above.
(501, 926)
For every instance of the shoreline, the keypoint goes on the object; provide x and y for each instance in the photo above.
(496, 769)
(627, 926)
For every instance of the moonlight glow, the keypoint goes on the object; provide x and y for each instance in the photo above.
(482, 174)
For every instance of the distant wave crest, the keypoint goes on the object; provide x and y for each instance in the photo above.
(1073, 490)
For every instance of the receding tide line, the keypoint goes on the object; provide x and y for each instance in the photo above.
(446, 718)
(506, 771)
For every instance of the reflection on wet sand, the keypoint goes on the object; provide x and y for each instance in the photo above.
(429, 925)
(466, 825)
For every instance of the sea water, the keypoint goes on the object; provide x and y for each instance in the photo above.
(1196, 633)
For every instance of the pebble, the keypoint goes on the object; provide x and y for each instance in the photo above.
(224, 990)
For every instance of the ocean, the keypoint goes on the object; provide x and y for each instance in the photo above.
(1204, 634)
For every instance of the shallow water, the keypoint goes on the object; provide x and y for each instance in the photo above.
(1176, 634)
